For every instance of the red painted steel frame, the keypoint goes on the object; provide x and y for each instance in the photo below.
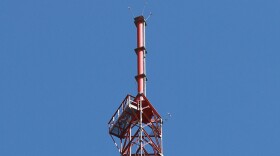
(128, 141)
(136, 126)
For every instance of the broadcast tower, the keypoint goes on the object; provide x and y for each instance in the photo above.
(136, 126)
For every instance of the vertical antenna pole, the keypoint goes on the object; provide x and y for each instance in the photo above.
(141, 71)
(141, 129)
(144, 59)
(129, 101)
(161, 139)
(140, 51)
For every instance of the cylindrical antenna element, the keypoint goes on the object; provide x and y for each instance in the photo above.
(140, 51)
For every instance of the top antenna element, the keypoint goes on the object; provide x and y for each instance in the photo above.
(149, 16)
(143, 10)
(130, 9)
(145, 5)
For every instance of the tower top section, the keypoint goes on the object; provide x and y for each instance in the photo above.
(136, 125)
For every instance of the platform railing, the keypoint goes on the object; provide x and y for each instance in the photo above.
(129, 99)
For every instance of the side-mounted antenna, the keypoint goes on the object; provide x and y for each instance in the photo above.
(149, 16)
(167, 116)
(130, 9)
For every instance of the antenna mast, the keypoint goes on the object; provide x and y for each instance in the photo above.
(141, 54)
(136, 126)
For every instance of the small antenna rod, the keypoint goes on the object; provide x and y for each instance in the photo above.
(149, 16)
(130, 9)
(145, 5)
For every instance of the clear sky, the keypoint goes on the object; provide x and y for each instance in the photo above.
(66, 65)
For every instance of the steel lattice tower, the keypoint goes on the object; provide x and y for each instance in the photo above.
(136, 126)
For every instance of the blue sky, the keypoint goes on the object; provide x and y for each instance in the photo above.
(65, 66)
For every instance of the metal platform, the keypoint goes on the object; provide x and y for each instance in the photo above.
(123, 117)
(136, 125)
